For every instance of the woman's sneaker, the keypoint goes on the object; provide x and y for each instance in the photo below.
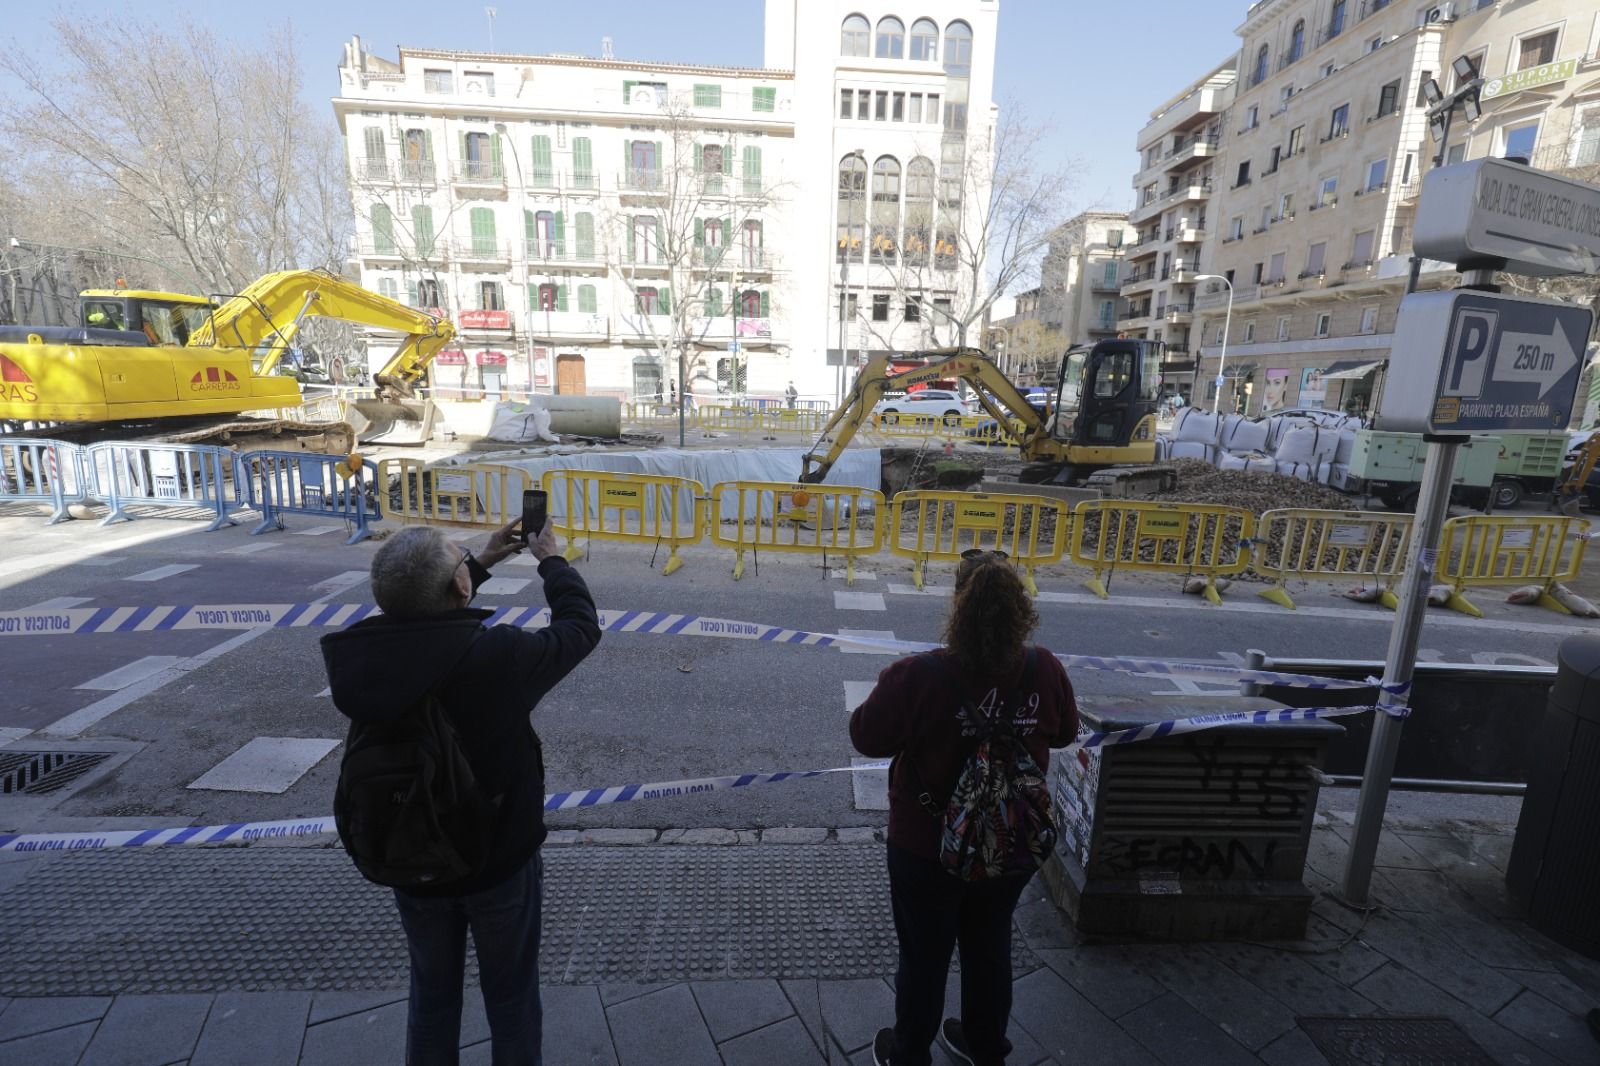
(883, 1047)
(954, 1039)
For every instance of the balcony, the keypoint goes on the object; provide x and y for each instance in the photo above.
(1147, 247)
(1191, 234)
(416, 171)
(1103, 325)
(372, 170)
(1184, 273)
(1135, 318)
(1138, 281)
(725, 327)
(1217, 297)
(1195, 190)
(381, 171)
(545, 251)
(575, 324)
(1100, 284)
(1382, 186)
(1190, 152)
(1323, 205)
(634, 326)
(381, 248)
(482, 251)
(484, 173)
(1179, 314)
(1150, 205)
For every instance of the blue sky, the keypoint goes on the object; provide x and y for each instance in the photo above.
(1094, 68)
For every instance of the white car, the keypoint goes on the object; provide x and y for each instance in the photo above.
(924, 403)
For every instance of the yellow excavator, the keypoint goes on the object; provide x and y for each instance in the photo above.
(177, 367)
(1103, 418)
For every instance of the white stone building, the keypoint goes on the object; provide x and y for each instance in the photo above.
(539, 201)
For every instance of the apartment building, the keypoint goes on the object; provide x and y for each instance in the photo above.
(1320, 175)
(1171, 223)
(1082, 275)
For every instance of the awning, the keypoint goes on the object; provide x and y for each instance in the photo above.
(451, 357)
(1350, 369)
(491, 358)
(1238, 370)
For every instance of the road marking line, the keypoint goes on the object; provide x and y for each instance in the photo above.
(102, 560)
(339, 582)
(856, 693)
(926, 590)
(315, 531)
(326, 693)
(9, 733)
(520, 560)
(265, 764)
(249, 549)
(504, 586)
(60, 603)
(136, 671)
(858, 601)
(871, 787)
(861, 575)
(161, 573)
(867, 634)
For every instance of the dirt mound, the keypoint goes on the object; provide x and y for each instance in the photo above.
(1200, 482)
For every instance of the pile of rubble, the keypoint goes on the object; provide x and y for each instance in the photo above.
(1200, 482)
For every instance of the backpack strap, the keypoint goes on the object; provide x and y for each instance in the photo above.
(924, 797)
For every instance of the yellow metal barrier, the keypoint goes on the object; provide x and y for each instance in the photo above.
(784, 420)
(473, 495)
(725, 419)
(1295, 542)
(1181, 538)
(811, 519)
(659, 415)
(642, 508)
(927, 525)
(1505, 550)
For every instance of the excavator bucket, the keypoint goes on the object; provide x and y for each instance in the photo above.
(379, 422)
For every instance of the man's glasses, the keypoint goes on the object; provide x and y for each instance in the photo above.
(465, 555)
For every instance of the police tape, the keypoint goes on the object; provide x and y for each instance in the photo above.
(86, 620)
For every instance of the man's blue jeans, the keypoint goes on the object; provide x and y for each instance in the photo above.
(505, 932)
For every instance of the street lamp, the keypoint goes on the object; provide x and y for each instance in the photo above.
(1005, 349)
(1227, 322)
(1469, 97)
(844, 267)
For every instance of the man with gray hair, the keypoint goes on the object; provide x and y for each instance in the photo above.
(429, 656)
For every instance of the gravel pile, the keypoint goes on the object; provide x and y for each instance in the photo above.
(1200, 482)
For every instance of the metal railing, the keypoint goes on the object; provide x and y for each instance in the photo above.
(479, 172)
(482, 250)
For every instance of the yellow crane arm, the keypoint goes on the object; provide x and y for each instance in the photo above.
(995, 392)
(266, 316)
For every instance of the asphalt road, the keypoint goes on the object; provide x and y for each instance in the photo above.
(172, 705)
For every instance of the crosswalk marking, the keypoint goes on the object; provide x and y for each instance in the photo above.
(136, 671)
(503, 586)
(861, 575)
(521, 559)
(315, 531)
(161, 573)
(870, 788)
(266, 764)
(60, 603)
(858, 601)
(340, 582)
(869, 634)
(250, 548)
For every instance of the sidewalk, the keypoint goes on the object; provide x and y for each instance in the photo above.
(756, 952)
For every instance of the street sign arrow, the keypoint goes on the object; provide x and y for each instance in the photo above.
(1540, 358)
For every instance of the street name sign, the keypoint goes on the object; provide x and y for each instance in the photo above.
(1539, 223)
(1468, 362)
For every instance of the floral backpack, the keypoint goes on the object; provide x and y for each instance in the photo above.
(997, 821)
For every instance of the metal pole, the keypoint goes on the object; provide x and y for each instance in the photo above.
(1222, 359)
(1432, 508)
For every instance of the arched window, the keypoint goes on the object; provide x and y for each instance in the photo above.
(891, 38)
(885, 210)
(920, 178)
(856, 37)
(925, 40)
(1297, 41)
(752, 304)
(851, 217)
(958, 50)
(1259, 75)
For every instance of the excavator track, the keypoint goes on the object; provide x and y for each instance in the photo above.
(246, 434)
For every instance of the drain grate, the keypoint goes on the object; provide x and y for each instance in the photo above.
(38, 773)
(1413, 1041)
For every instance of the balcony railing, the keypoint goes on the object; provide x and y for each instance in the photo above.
(566, 324)
(479, 172)
(641, 179)
(1176, 313)
(417, 171)
(1100, 284)
(372, 169)
(482, 250)
(546, 251)
(381, 247)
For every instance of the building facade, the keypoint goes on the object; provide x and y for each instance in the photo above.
(1171, 220)
(590, 224)
(1082, 275)
(1319, 177)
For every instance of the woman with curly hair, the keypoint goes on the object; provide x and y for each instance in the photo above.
(922, 715)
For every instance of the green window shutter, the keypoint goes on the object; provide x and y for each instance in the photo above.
(461, 139)
(766, 305)
(374, 142)
(633, 252)
(559, 228)
(382, 228)
(422, 229)
(627, 90)
(699, 159)
(752, 170)
(699, 233)
(561, 297)
(533, 298)
(664, 301)
(494, 154)
(427, 144)
(627, 155)
(586, 300)
(411, 292)
(582, 161)
(661, 250)
(530, 230)
(543, 171)
(763, 99)
(483, 242)
(708, 96)
(713, 302)
(585, 235)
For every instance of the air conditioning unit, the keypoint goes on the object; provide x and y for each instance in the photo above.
(1445, 12)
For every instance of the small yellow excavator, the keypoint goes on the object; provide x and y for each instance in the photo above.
(1112, 388)
(1572, 488)
(178, 367)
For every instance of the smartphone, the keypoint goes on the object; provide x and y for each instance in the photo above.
(535, 505)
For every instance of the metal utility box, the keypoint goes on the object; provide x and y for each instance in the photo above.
(1555, 860)
(1531, 455)
(1398, 457)
(1199, 836)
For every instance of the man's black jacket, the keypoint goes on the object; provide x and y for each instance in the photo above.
(380, 668)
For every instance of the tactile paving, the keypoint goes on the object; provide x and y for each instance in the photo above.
(1419, 1041)
(206, 920)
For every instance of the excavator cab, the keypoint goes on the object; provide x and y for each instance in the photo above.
(164, 318)
(1117, 384)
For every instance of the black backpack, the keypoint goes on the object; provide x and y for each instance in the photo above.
(409, 809)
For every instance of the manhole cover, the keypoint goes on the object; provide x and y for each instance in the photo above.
(37, 773)
(1394, 1042)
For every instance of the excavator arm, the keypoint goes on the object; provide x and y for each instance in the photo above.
(996, 394)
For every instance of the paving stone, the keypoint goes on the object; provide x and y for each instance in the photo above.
(1555, 1029)
(1177, 1033)
(619, 836)
(5, 1001)
(326, 1006)
(803, 997)
(1421, 949)
(1293, 1048)
(139, 1030)
(610, 994)
(793, 835)
(562, 837)
(58, 1047)
(1245, 1012)
(1559, 989)
(1291, 980)
(1400, 991)
(731, 1008)
(662, 1027)
(1108, 977)
(783, 1043)
(1043, 925)
(1064, 1023)
(575, 1029)
(371, 1036)
(865, 834)
(853, 1011)
(28, 1015)
(700, 836)
(482, 1054)
(253, 1029)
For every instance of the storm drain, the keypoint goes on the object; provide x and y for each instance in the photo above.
(1413, 1041)
(39, 773)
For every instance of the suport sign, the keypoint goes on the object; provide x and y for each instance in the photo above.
(214, 379)
(15, 384)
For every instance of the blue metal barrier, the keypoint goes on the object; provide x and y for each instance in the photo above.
(41, 471)
(308, 483)
(187, 476)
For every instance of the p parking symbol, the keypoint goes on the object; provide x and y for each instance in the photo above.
(1471, 352)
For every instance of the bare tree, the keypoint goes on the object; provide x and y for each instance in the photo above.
(685, 236)
(180, 147)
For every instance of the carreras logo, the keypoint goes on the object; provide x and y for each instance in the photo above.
(213, 379)
(15, 384)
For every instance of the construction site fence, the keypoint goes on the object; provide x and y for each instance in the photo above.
(185, 477)
(48, 472)
(927, 526)
(977, 428)
(470, 495)
(653, 509)
(1479, 550)
(1304, 543)
(310, 484)
(838, 521)
(1182, 538)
